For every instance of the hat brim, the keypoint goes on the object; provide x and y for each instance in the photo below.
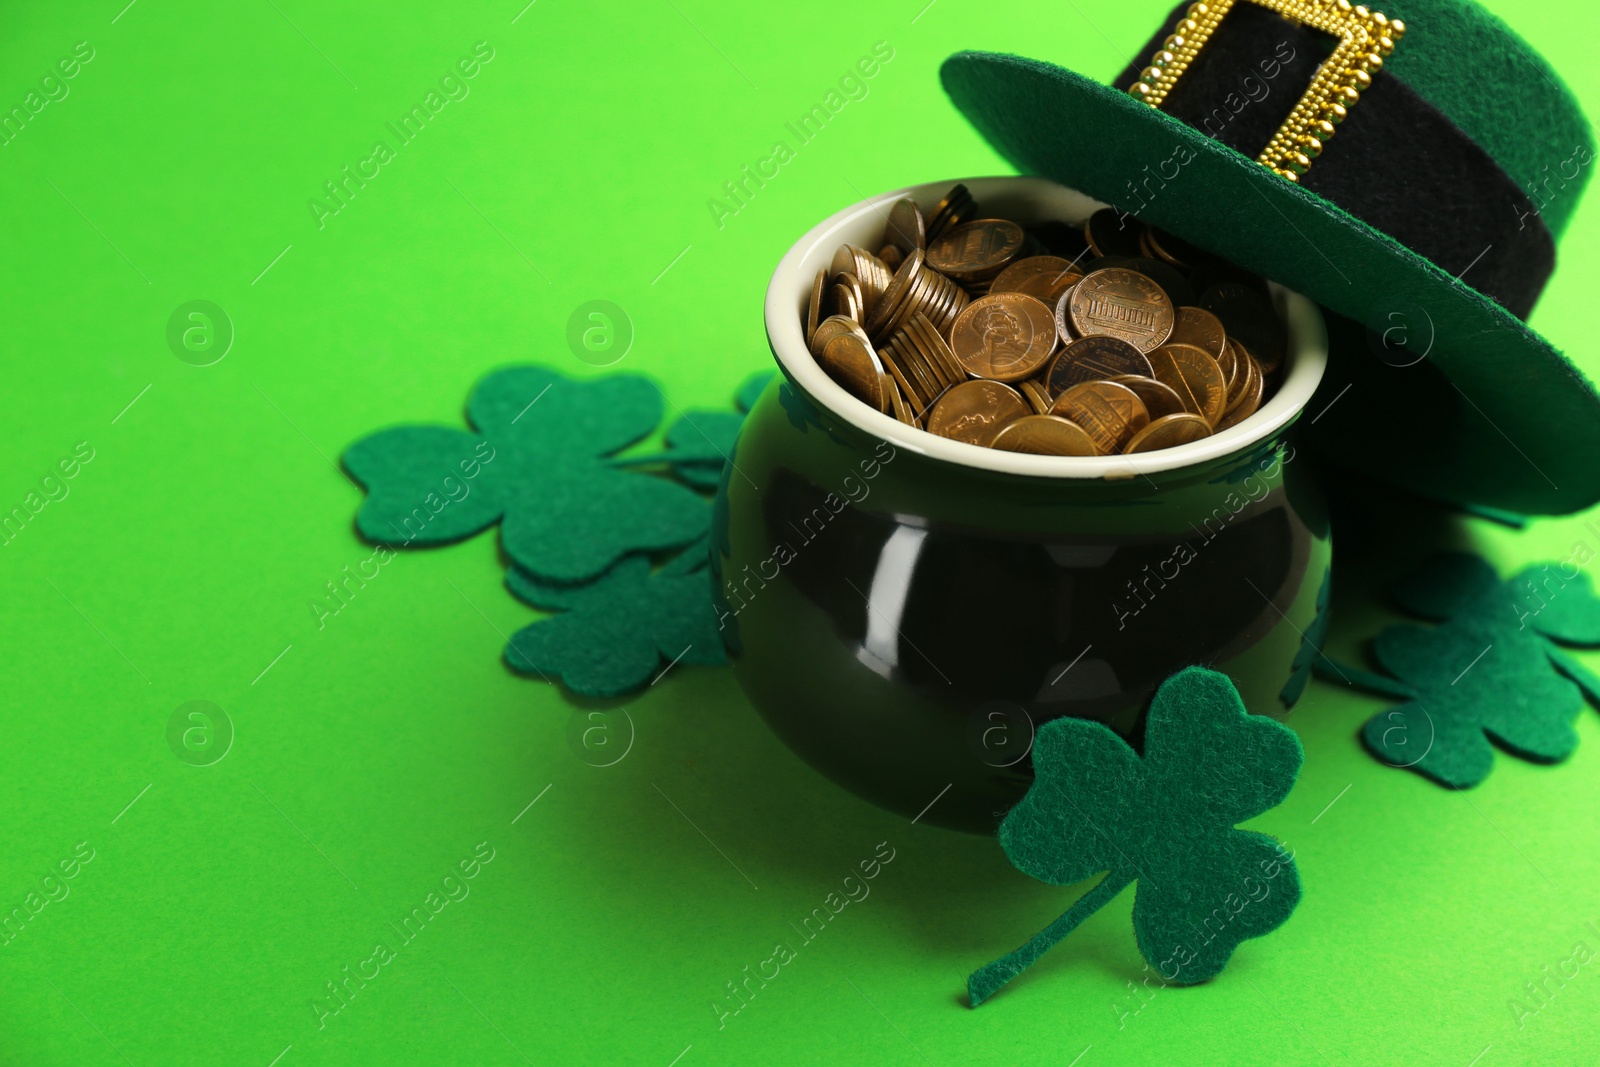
(1492, 415)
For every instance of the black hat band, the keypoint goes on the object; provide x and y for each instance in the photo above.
(1398, 163)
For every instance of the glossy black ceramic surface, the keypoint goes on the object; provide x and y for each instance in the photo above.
(904, 624)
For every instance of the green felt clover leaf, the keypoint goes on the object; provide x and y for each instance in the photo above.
(1167, 821)
(537, 463)
(1491, 669)
(700, 443)
(612, 634)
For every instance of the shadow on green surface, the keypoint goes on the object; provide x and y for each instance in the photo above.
(1380, 534)
(712, 811)
(711, 795)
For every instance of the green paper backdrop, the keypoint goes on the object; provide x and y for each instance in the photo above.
(366, 757)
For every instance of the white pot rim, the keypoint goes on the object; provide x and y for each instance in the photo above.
(790, 289)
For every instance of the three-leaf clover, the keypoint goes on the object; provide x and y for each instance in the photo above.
(538, 464)
(612, 633)
(1167, 821)
(1491, 669)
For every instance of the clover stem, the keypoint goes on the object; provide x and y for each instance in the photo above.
(987, 980)
(1333, 671)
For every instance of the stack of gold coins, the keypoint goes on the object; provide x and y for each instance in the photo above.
(1068, 340)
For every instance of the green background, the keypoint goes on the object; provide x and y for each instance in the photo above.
(374, 753)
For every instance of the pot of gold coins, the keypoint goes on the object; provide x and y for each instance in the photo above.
(1026, 458)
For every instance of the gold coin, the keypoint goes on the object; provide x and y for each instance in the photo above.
(928, 292)
(814, 307)
(1174, 250)
(1063, 309)
(945, 301)
(845, 300)
(956, 207)
(832, 327)
(959, 299)
(849, 278)
(1037, 398)
(1042, 277)
(851, 362)
(1198, 327)
(1195, 377)
(935, 353)
(1249, 318)
(897, 403)
(933, 379)
(1241, 375)
(1045, 435)
(1112, 233)
(1246, 360)
(908, 387)
(1004, 336)
(1247, 363)
(895, 293)
(935, 350)
(1159, 400)
(1230, 363)
(1168, 431)
(907, 230)
(1169, 278)
(975, 411)
(1122, 361)
(871, 273)
(921, 295)
(976, 251)
(1093, 359)
(910, 362)
(914, 297)
(1108, 412)
(1121, 303)
(1248, 401)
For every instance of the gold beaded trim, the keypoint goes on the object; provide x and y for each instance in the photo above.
(1366, 39)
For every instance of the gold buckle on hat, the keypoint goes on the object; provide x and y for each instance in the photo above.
(1366, 38)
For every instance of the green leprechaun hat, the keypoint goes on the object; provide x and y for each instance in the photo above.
(1416, 190)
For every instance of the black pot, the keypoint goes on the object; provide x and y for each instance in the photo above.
(904, 610)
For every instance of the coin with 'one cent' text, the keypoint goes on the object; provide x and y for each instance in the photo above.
(1121, 303)
(1198, 327)
(1195, 377)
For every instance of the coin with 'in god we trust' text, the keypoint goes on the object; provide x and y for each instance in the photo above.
(1003, 336)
